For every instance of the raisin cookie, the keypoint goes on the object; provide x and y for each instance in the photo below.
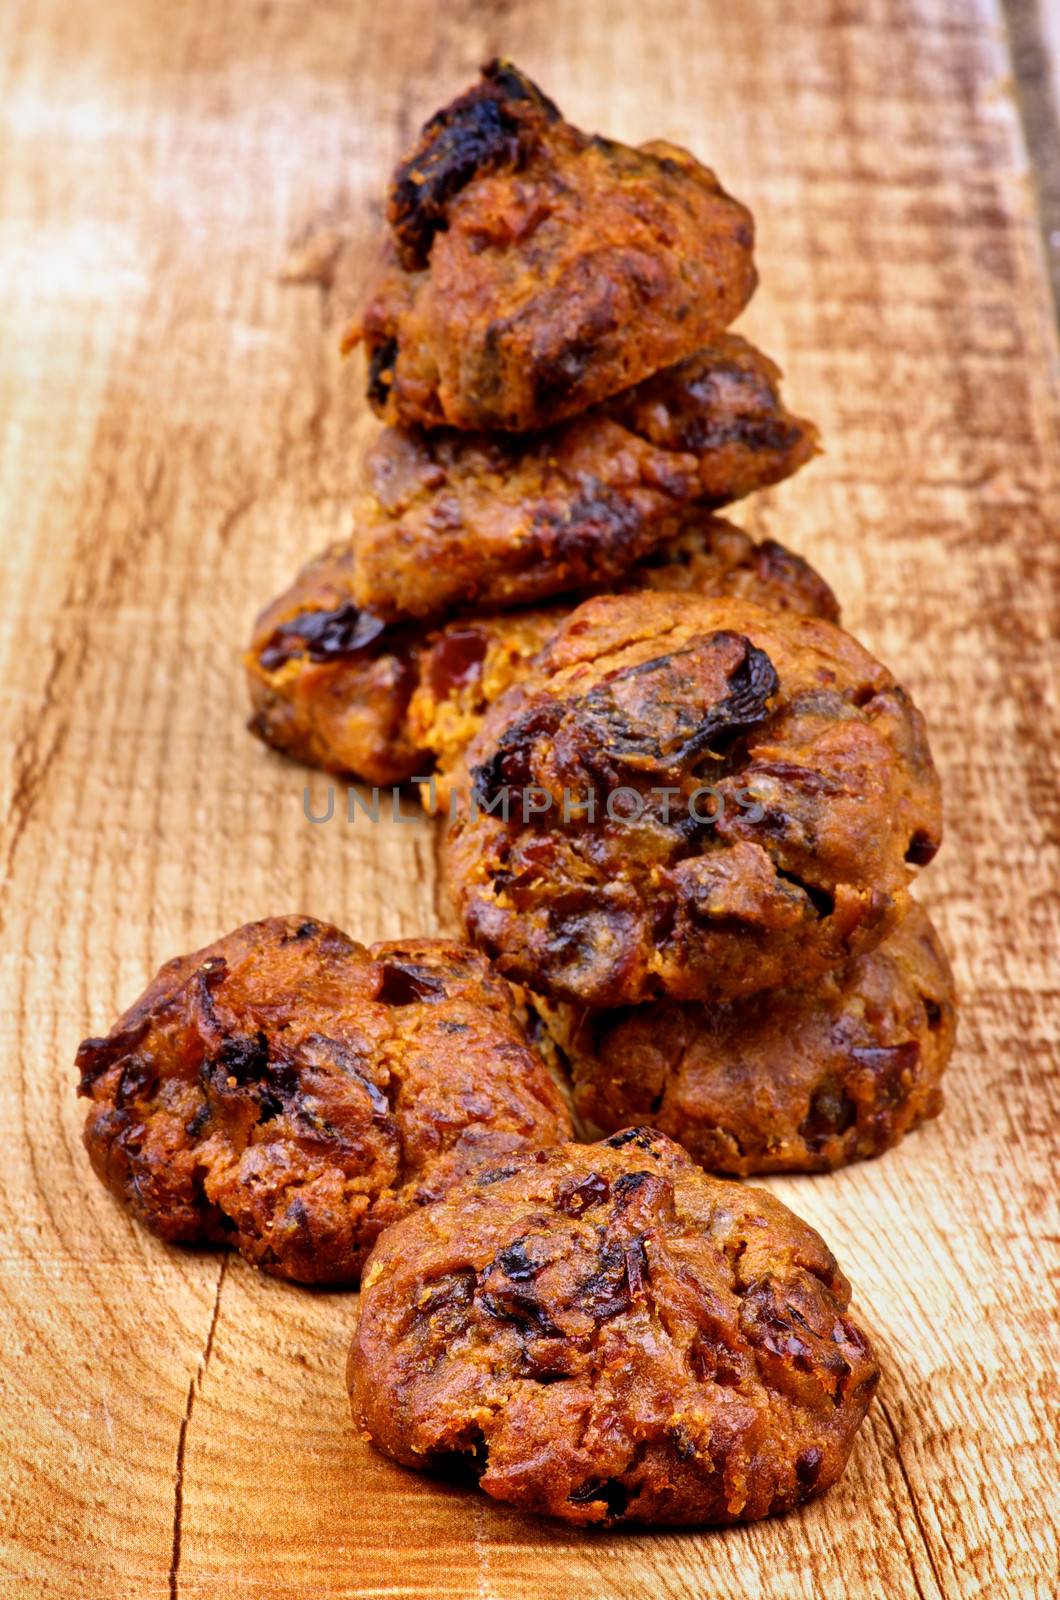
(333, 686)
(788, 1081)
(532, 270)
(469, 664)
(607, 1335)
(692, 798)
(454, 522)
(291, 1093)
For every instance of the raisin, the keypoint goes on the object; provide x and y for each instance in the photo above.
(514, 1262)
(512, 760)
(831, 1112)
(576, 1198)
(195, 1124)
(244, 1058)
(456, 659)
(484, 129)
(451, 1293)
(348, 1062)
(97, 1056)
(619, 1278)
(646, 713)
(521, 1307)
(323, 636)
(637, 1272)
(889, 1064)
(643, 1138)
(922, 849)
(138, 1081)
(630, 1184)
(401, 983)
(712, 1363)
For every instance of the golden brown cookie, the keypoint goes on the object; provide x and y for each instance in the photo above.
(533, 270)
(786, 1081)
(331, 686)
(692, 798)
(291, 1093)
(471, 662)
(605, 1334)
(454, 522)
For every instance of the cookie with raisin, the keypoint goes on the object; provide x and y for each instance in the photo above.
(604, 1334)
(290, 1093)
(333, 686)
(790, 1080)
(532, 270)
(453, 521)
(691, 798)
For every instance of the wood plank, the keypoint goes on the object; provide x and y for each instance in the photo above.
(177, 433)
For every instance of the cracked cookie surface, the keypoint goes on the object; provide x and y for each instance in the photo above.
(606, 1334)
(532, 269)
(785, 1081)
(290, 1093)
(691, 798)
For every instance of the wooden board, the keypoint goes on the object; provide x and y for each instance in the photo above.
(177, 433)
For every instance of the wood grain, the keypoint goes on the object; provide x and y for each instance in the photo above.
(177, 433)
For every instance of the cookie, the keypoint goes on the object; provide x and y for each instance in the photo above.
(532, 270)
(787, 1081)
(455, 522)
(606, 1334)
(331, 686)
(469, 664)
(329, 683)
(692, 798)
(291, 1093)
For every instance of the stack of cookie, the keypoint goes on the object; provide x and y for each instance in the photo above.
(565, 414)
(691, 831)
(685, 808)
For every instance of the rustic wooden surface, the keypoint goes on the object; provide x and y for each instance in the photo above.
(177, 433)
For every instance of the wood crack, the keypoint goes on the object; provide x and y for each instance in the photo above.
(194, 1388)
(940, 1590)
(32, 761)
